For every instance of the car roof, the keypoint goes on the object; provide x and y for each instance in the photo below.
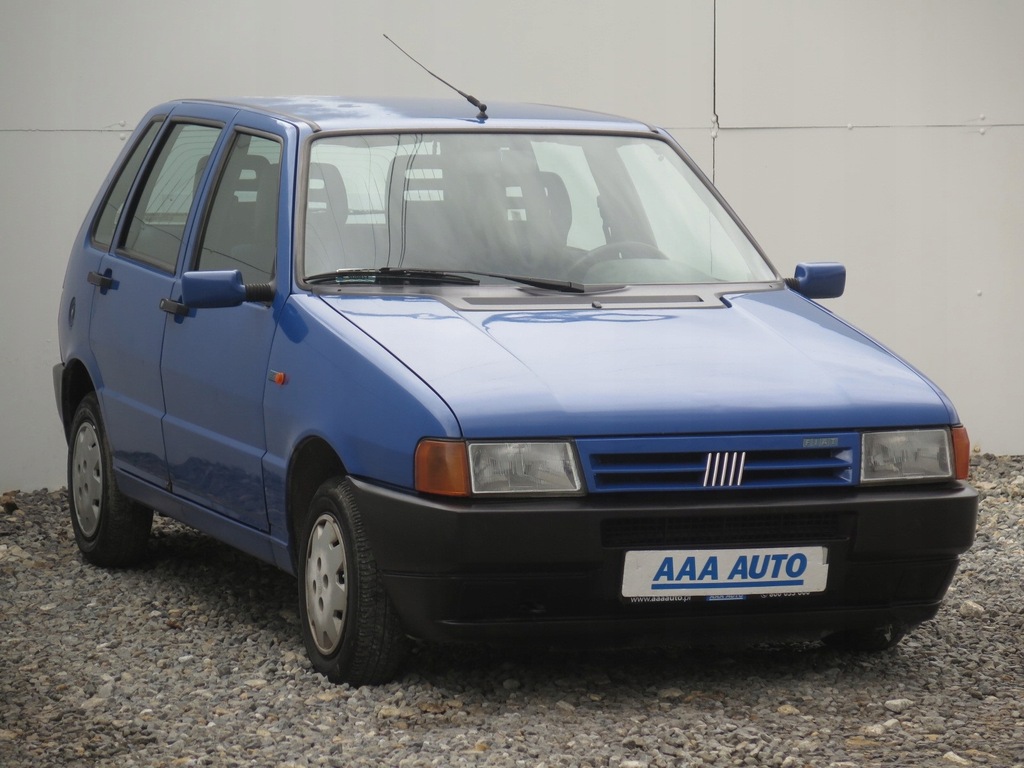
(340, 113)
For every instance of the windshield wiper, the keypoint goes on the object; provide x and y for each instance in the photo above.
(391, 274)
(455, 277)
(565, 286)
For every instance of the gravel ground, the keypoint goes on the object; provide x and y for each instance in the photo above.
(197, 660)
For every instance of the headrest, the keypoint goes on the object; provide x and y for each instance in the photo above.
(327, 191)
(559, 205)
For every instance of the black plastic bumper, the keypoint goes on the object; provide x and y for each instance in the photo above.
(550, 569)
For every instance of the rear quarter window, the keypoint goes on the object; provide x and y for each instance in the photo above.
(110, 212)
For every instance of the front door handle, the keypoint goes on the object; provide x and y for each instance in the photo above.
(175, 308)
(103, 282)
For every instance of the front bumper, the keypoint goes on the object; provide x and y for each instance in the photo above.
(552, 569)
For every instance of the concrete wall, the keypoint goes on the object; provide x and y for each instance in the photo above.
(889, 136)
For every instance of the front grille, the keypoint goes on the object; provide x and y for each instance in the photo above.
(710, 463)
(726, 529)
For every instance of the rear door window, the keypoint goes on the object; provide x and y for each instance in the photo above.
(161, 210)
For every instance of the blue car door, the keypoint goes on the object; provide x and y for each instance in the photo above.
(134, 279)
(214, 362)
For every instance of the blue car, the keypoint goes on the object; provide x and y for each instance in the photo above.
(513, 375)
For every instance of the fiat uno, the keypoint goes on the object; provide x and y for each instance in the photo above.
(520, 375)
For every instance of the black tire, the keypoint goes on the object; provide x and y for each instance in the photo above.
(110, 529)
(349, 626)
(870, 640)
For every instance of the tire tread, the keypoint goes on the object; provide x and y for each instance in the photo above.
(379, 645)
(122, 537)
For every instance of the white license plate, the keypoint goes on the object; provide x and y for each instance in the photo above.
(724, 572)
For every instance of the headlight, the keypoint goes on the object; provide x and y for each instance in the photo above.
(920, 454)
(523, 468)
(456, 468)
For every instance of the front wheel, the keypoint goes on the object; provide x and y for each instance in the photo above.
(349, 626)
(110, 529)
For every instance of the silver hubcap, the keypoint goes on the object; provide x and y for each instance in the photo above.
(326, 584)
(87, 478)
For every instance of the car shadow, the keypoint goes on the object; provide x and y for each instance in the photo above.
(255, 598)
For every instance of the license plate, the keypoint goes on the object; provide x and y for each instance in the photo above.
(724, 572)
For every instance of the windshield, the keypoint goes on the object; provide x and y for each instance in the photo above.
(587, 208)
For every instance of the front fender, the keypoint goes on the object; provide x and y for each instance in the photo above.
(331, 381)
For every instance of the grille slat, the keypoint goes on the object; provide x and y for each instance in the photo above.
(710, 463)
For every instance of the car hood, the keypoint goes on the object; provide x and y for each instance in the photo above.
(763, 361)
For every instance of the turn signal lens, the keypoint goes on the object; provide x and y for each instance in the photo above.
(441, 467)
(961, 452)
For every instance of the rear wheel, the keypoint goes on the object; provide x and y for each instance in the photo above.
(349, 626)
(110, 529)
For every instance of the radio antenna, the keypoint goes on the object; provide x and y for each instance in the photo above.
(471, 99)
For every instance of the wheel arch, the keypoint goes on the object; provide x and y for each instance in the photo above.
(76, 383)
(313, 462)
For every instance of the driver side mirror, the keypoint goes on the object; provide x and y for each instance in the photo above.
(221, 288)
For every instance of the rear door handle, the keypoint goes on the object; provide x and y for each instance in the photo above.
(103, 282)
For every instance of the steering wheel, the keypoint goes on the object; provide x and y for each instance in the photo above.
(620, 249)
